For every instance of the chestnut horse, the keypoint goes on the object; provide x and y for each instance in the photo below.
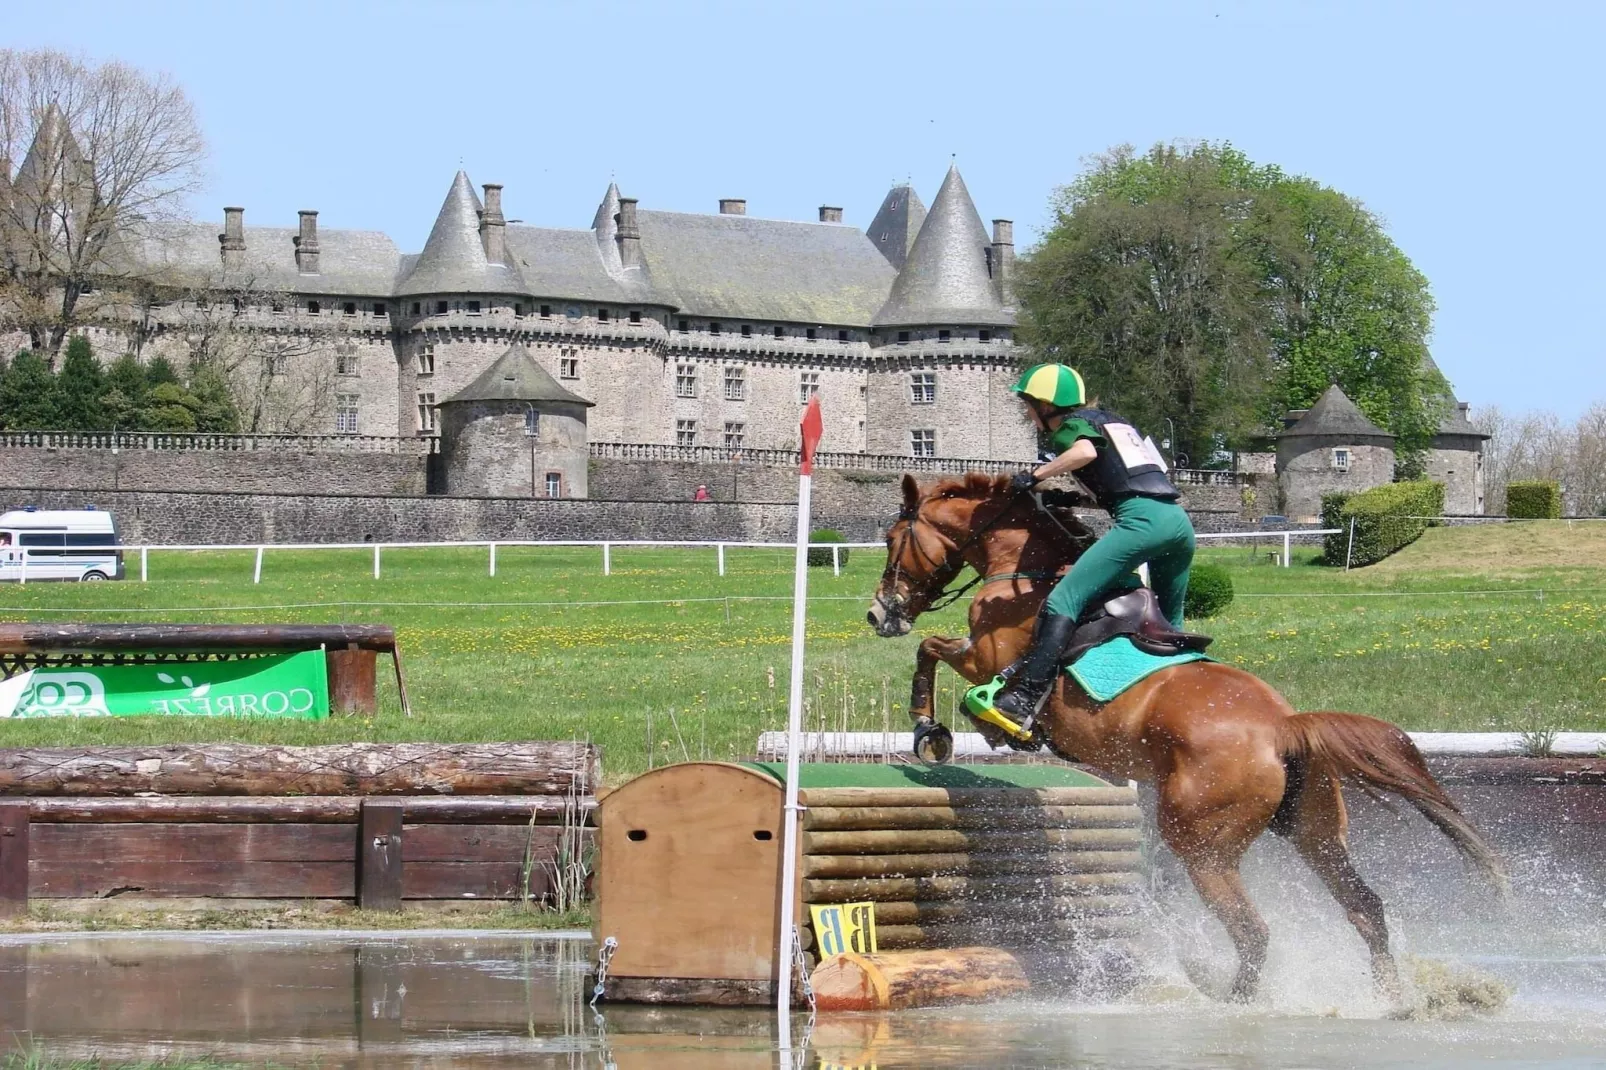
(1228, 756)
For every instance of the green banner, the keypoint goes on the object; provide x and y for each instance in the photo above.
(281, 685)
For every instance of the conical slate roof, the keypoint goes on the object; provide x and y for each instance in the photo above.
(1335, 414)
(515, 376)
(453, 260)
(897, 222)
(945, 280)
(1455, 420)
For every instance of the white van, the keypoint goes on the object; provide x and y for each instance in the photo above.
(38, 544)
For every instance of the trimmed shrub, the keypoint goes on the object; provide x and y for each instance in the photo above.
(1386, 518)
(822, 556)
(1334, 546)
(1209, 591)
(1536, 499)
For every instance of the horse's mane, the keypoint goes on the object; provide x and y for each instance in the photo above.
(979, 486)
(970, 485)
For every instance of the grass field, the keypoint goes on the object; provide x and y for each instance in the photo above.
(1464, 630)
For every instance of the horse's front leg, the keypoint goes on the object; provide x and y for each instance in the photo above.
(937, 648)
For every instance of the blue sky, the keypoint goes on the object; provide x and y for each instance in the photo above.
(1473, 130)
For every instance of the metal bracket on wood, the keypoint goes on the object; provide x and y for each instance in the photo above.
(379, 854)
(13, 857)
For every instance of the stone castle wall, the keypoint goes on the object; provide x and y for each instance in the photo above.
(210, 471)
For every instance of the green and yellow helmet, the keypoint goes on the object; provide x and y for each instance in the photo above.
(1056, 384)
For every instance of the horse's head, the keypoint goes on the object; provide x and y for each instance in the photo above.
(926, 546)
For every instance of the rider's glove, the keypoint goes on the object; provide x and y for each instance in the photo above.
(1023, 481)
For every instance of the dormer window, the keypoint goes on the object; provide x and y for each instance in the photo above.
(747, 330)
(842, 336)
(1341, 459)
(546, 312)
(312, 307)
(635, 315)
(780, 332)
(903, 337)
(713, 328)
(349, 308)
(811, 334)
(984, 336)
(380, 308)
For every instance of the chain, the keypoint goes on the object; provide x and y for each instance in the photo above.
(604, 957)
(802, 966)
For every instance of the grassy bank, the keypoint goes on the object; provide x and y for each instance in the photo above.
(1438, 637)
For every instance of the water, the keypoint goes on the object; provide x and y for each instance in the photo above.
(400, 1000)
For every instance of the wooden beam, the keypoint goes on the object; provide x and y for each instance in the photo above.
(970, 865)
(379, 855)
(503, 810)
(346, 769)
(971, 798)
(986, 889)
(843, 818)
(47, 638)
(13, 858)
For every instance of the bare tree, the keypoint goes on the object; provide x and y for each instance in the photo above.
(1539, 445)
(108, 155)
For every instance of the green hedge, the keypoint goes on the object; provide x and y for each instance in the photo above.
(823, 556)
(1209, 591)
(1385, 519)
(1533, 500)
(1334, 546)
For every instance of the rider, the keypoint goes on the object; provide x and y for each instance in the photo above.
(1127, 476)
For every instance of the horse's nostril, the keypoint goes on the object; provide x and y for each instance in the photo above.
(870, 617)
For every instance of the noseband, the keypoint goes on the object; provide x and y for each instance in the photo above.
(935, 592)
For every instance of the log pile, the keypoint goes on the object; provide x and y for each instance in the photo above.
(952, 868)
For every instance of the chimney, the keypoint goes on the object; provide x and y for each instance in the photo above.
(493, 225)
(1002, 261)
(233, 238)
(830, 215)
(306, 243)
(732, 206)
(627, 234)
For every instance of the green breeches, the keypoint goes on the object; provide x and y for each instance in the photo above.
(1146, 531)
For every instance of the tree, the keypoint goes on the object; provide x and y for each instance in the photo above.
(1541, 446)
(79, 389)
(28, 395)
(109, 155)
(126, 387)
(1198, 286)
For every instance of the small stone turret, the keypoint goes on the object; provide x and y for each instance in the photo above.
(628, 234)
(232, 240)
(493, 225)
(306, 243)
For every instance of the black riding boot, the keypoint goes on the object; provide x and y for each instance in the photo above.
(1036, 670)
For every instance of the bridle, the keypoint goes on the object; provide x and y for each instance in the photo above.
(934, 592)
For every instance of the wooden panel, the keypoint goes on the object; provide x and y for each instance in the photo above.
(379, 854)
(14, 853)
(352, 673)
(247, 809)
(969, 798)
(469, 880)
(984, 889)
(917, 841)
(689, 876)
(974, 865)
(85, 878)
(479, 843)
(826, 818)
(216, 844)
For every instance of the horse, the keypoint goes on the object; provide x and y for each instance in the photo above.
(1229, 757)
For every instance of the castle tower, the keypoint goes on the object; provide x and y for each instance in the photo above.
(1330, 447)
(896, 223)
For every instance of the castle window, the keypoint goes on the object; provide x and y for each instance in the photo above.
(923, 388)
(685, 432)
(418, 306)
(842, 336)
(519, 308)
(883, 235)
(278, 308)
(985, 336)
(685, 380)
(349, 308)
(473, 308)
(426, 411)
(346, 362)
(312, 307)
(683, 326)
(345, 414)
(426, 360)
(569, 364)
(713, 328)
(747, 330)
(635, 315)
(944, 336)
(811, 334)
(602, 315)
(554, 484)
(780, 332)
(923, 442)
(808, 384)
(532, 422)
(546, 312)
(381, 309)
(734, 433)
(239, 304)
(440, 308)
(735, 384)
(1341, 460)
(903, 336)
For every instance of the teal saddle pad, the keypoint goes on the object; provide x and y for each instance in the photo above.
(1106, 671)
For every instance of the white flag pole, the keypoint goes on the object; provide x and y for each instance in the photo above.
(811, 427)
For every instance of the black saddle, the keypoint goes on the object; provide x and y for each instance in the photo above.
(1134, 613)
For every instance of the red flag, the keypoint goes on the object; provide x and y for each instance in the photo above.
(813, 427)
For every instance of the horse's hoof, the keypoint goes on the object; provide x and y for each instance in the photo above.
(934, 744)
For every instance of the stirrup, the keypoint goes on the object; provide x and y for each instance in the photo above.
(979, 703)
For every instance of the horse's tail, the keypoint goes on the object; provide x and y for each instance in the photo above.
(1380, 756)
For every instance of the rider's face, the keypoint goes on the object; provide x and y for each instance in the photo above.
(1034, 407)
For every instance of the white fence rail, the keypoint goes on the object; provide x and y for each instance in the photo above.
(16, 559)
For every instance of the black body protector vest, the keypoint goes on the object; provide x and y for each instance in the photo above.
(1127, 463)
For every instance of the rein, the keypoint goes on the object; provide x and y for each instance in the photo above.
(942, 598)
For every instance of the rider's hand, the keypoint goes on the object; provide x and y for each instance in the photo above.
(1023, 481)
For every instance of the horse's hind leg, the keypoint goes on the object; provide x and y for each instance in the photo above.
(1320, 833)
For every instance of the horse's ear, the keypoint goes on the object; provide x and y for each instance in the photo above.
(911, 492)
